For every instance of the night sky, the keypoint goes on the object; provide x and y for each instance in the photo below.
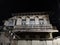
(7, 7)
(11, 6)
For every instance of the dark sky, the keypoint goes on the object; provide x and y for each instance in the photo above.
(7, 7)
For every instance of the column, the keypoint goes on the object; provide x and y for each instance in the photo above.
(50, 35)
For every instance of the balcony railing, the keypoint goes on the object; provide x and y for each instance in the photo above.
(31, 28)
(34, 26)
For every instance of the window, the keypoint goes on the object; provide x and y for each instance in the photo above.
(23, 21)
(11, 22)
(41, 21)
(32, 21)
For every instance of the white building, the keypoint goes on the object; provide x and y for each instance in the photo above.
(31, 23)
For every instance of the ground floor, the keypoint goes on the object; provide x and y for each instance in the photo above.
(36, 42)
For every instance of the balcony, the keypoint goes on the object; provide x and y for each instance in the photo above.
(34, 28)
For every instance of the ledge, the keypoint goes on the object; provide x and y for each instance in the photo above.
(35, 30)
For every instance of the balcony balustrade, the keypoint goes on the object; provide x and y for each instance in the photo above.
(34, 26)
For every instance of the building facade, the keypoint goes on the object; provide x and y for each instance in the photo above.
(29, 26)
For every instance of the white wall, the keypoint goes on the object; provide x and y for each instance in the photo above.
(18, 21)
(38, 42)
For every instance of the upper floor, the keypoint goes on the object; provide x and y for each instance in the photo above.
(32, 22)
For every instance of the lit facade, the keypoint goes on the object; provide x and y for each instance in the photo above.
(30, 22)
(29, 26)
